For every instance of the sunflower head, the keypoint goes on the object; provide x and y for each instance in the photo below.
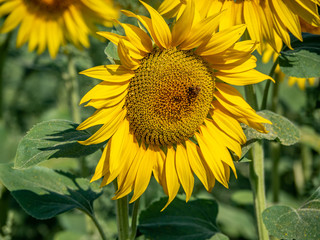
(169, 96)
(168, 110)
(52, 23)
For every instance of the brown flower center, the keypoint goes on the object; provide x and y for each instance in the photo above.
(169, 97)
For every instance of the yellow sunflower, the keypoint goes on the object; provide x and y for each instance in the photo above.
(168, 110)
(265, 19)
(51, 23)
(301, 82)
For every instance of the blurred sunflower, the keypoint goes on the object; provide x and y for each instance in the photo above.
(265, 19)
(51, 23)
(167, 110)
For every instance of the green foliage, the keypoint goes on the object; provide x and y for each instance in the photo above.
(289, 223)
(43, 193)
(304, 60)
(281, 130)
(52, 139)
(193, 220)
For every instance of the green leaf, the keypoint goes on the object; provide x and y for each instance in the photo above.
(219, 236)
(180, 220)
(52, 139)
(43, 193)
(304, 60)
(289, 223)
(281, 130)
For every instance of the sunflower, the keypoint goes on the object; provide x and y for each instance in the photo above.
(301, 82)
(269, 20)
(168, 110)
(51, 23)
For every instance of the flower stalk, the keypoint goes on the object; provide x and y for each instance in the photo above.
(122, 216)
(257, 172)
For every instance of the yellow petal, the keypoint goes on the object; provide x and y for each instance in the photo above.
(207, 145)
(201, 32)
(221, 41)
(109, 73)
(102, 167)
(183, 170)
(138, 37)
(128, 182)
(243, 78)
(108, 102)
(252, 19)
(160, 27)
(101, 116)
(115, 38)
(105, 90)
(228, 124)
(289, 19)
(117, 144)
(125, 57)
(15, 17)
(172, 181)
(143, 174)
(106, 131)
(181, 29)
(159, 165)
(196, 164)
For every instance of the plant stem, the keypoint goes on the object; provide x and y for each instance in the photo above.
(134, 219)
(257, 172)
(122, 216)
(95, 221)
(3, 56)
(251, 96)
(267, 87)
(257, 183)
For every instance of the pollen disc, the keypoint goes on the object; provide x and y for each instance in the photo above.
(169, 96)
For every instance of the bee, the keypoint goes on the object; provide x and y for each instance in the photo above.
(193, 92)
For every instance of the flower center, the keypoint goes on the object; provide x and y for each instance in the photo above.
(50, 6)
(169, 96)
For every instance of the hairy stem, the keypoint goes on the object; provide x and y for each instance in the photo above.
(267, 87)
(134, 219)
(257, 172)
(122, 216)
(257, 185)
(96, 223)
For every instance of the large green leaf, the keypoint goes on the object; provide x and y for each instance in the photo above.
(194, 220)
(52, 139)
(43, 193)
(304, 60)
(281, 130)
(288, 223)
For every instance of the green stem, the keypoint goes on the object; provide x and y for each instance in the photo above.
(95, 221)
(257, 172)
(134, 219)
(257, 183)
(3, 56)
(251, 96)
(275, 96)
(267, 87)
(122, 216)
